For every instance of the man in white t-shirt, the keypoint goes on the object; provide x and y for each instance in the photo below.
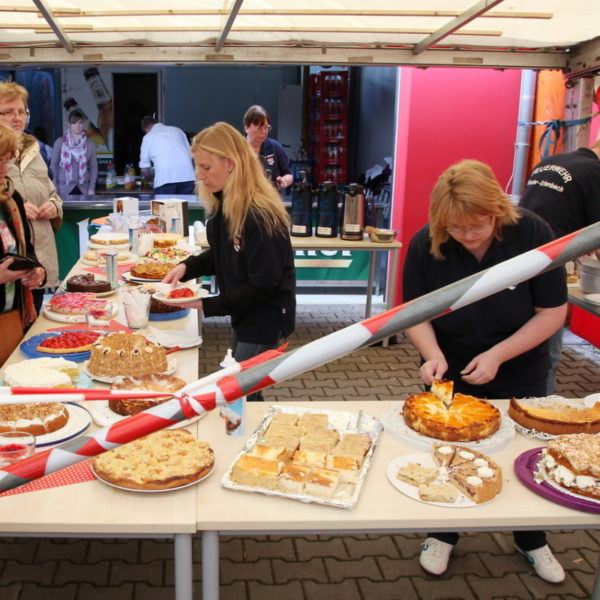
(168, 150)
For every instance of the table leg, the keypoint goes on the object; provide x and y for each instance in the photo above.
(391, 289)
(372, 255)
(210, 565)
(183, 566)
(596, 587)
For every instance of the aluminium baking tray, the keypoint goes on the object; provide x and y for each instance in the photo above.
(347, 494)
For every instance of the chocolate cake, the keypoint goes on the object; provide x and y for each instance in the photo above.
(86, 282)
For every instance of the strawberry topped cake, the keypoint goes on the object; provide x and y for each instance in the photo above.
(77, 303)
(68, 342)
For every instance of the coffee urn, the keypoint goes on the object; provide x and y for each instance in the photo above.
(327, 210)
(353, 216)
(301, 210)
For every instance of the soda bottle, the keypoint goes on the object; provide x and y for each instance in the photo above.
(234, 414)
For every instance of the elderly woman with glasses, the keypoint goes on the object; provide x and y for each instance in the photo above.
(29, 174)
(273, 157)
(16, 300)
(496, 347)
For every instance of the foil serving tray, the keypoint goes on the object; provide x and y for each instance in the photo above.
(346, 494)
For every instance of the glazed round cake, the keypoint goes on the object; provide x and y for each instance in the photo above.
(152, 383)
(128, 354)
(573, 463)
(466, 419)
(555, 415)
(86, 282)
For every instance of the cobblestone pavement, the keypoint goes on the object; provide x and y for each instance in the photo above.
(309, 567)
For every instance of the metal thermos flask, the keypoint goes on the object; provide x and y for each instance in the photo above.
(353, 218)
(301, 210)
(111, 267)
(327, 210)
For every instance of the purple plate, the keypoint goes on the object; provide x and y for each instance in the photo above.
(526, 467)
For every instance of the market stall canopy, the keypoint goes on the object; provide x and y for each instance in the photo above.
(485, 33)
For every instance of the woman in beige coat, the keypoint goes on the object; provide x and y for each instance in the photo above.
(29, 174)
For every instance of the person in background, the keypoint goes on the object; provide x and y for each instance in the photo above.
(273, 157)
(74, 161)
(250, 249)
(564, 190)
(167, 149)
(496, 347)
(17, 309)
(29, 174)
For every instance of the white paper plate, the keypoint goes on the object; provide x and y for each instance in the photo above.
(173, 339)
(63, 318)
(162, 297)
(172, 362)
(127, 276)
(412, 491)
(174, 489)
(394, 424)
(117, 247)
(103, 416)
(593, 298)
(94, 263)
(78, 423)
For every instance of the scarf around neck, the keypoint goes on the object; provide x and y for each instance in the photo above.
(26, 306)
(73, 150)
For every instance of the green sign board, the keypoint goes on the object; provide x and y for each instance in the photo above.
(328, 266)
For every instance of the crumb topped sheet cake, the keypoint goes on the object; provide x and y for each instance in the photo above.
(164, 459)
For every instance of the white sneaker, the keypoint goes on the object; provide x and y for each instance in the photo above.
(544, 564)
(435, 555)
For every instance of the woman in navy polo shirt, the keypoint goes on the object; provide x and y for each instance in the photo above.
(496, 347)
(271, 153)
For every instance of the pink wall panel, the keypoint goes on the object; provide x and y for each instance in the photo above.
(446, 115)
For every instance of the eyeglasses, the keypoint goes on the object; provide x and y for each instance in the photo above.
(7, 162)
(263, 126)
(14, 113)
(465, 230)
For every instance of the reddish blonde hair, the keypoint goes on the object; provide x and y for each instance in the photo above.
(465, 191)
